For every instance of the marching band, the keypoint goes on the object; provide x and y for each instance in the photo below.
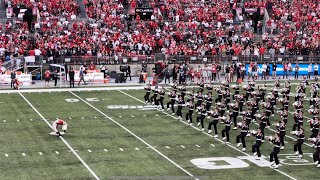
(259, 109)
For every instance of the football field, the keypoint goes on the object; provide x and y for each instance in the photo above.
(112, 134)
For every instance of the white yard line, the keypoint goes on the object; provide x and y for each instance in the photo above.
(130, 132)
(283, 173)
(65, 142)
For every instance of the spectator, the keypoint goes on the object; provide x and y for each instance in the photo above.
(71, 77)
(13, 77)
(47, 77)
(296, 71)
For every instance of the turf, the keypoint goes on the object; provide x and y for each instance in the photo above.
(98, 139)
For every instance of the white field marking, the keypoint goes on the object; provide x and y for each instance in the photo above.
(23, 154)
(198, 145)
(1, 102)
(70, 117)
(120, 149)
(6, 155)
(132, 115)
(40, 153)
(212, 145)
(137, 149)
(57, 152)
(106, 150)
(71, 89)
(144, 115)
(167, 147)
(31, 119)
(18, 120)
(4, 121)
(82, 117)
(294, 154)
(183, 146)
(89, 151)
(64, 141)
(283, 173)
(157, 115)
(120, 116)
(95, 117)
(130, 132)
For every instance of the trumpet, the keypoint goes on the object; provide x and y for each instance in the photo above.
(268, 97)
(253, 132)
(295, 104)
(310, 111)
(245, 87)
(254, 93)
(264, 104)
(280, 100)
(234, 86)
(232, 104)
(239, 124)
(270, 138)
(263, 88)
(258, 115)
(294, 132)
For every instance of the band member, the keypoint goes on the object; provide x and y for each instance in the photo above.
(155, 95)
(285, 103)
(174, 86)
(316, 155)
(147, 96)
(256, 146)
(173, 98)
(215, 115)
(298, 118)
(57, 123)
(276, 149)
(203, 112)
(200, 98)
(226, 96)
(273, 102)
(284, 116)
(263, 123)
(191, 95)
(225, 132)
(209, 87)
(240, 100)
(201, 86)
(298, 145)
(159, 101)
(281, 128)
(234, 114)
(314, 127)
(248, 117)
(248, 92)
(242, 135)
(208, 101)
(219, 95)
(222, 108)
(180, 106)
(183, 91)
(236, 91)
(189, 114)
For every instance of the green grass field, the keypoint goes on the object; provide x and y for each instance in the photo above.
(126, 143)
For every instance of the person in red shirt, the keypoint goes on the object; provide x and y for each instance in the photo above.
(92, 66)
(214, 72)
(56, 124)
(47, 77)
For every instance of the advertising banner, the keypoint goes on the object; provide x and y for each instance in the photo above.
(303, 70)
(22, 78)
(91, 76)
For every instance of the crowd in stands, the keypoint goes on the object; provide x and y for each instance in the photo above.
(176, 27)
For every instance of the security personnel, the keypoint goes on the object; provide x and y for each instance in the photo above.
(189, 114)
(215, 115)
(275, 152)
(242, 135)
(225, 132)
(256, 146)
(203, 112)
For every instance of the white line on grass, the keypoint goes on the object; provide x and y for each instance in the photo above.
(212, 145)
(167, 147)
(183, 146)
(137, 149)
(6, 155)
(57, 152)
(130, 132)
(106, 150)
(65, 142)
(121, 149)
(4, 121)
(285, 174)
(89, 151)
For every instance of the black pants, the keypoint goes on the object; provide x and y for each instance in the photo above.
(242, 136)
(298, 145)
(12, 83)
(179, 113)
(274, 155)
(167, 77)
(296, 75)
(234, 115)
(200, 119)
(154, 98)
(160, 102)
(189, 116)
(213, 76)
(172, 105)
(214, 123)
(316, 156)
(314, 133)
(297, 126)
(218, 99)
(282, 135)
(128, 74)
(55, 81)
(208, 105)
(146, 97)
(256, 148)
(262, 127)
(71, 82)
(225, 132)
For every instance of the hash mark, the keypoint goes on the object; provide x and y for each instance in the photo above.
(57, 152)
(157, 115)
(105, 150)
(82, 117)
(23, 154)
(212, 145)
(183, 146)
(120, 116)
(95, 117)
(4, 121)
(70, 118)
(137, 149)
(132, 115)
(121, 149)
(18, 120)
(167, 147)
(40, 153)
(198, 145)
(6, 155)
(89, 151)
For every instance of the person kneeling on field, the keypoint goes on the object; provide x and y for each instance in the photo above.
(56, 124)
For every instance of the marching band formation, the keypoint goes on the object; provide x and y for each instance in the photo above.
(253, 105)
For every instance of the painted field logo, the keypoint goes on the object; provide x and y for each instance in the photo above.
(147, 107)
